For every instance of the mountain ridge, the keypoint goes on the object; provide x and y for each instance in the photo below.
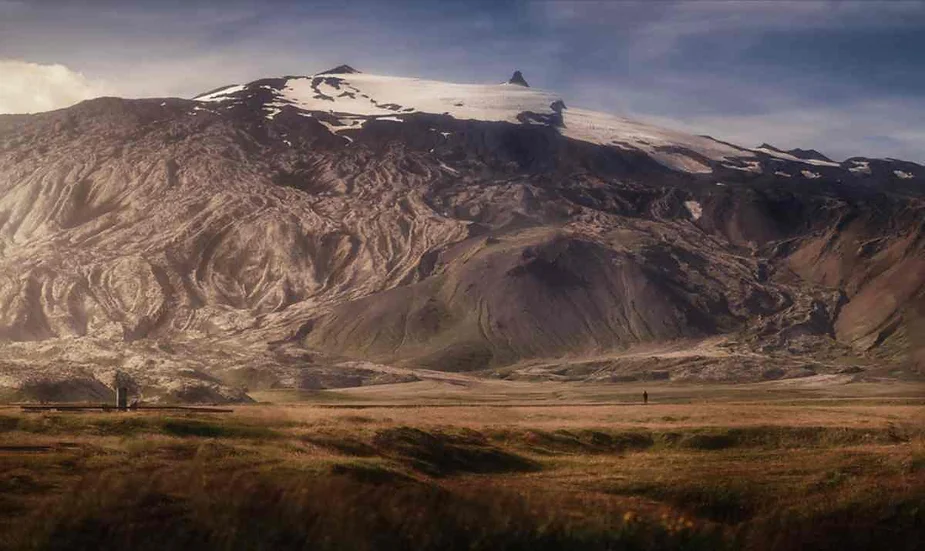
(257, 237)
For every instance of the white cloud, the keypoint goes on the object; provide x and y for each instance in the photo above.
(31, 88)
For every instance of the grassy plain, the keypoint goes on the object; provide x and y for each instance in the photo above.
(479, 465)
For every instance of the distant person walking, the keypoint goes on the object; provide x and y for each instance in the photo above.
(645, 397)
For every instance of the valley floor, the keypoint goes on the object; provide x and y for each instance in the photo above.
(463, 464)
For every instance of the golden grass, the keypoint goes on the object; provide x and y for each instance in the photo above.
(847, 474)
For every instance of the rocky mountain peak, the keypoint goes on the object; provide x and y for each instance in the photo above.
(341, 70)
(805, 154)
(808, 154)
(518, 79)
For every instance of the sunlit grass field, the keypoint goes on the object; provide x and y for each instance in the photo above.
(706, 470)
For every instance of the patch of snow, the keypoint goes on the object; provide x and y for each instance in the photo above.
(393, 119)
(331, 128)
(751, 166)
(449, 169)
(679, 161)
(720, 184)
(818, 162)
(164, 104)
(810, 174)
(346, 123)
(287, 142)
(694, 208)
(222, 94)
(903, 175)
(781, 173)
(272, 112)
(659, 143)
(387, 95)
(860, 167)
(445, 134)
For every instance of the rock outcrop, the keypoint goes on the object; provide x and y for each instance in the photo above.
(518, 79)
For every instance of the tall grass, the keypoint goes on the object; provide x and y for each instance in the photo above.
(368, 482)
(196, 508)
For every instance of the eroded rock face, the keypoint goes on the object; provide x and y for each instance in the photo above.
(206, 249)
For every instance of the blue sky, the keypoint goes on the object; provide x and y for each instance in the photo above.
(847, 78)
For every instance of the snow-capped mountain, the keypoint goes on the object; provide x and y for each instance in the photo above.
(345, 228)
(345, 99)
(351, 99)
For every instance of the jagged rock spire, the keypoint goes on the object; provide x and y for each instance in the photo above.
(340, 70)
(518, 79)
